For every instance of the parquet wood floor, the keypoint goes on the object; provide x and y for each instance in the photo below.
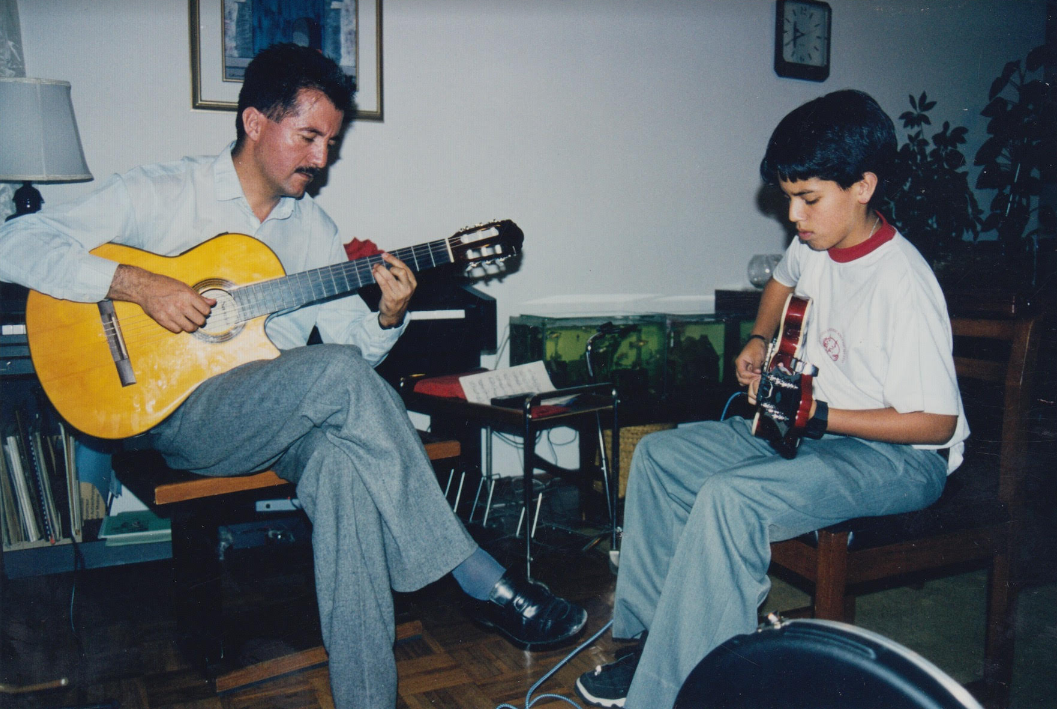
(121, 646)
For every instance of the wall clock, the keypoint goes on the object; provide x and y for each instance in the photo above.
(801, 39)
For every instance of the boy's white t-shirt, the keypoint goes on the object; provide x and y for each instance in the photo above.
(878, 329)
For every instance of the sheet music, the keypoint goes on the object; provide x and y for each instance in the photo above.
(530, 378)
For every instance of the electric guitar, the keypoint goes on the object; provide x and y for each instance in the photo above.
(783, 399)
(112, 371)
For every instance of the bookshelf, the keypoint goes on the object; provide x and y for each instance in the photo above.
(42, 521)
(40, 495)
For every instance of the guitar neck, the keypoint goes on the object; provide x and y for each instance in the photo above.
(319, 284)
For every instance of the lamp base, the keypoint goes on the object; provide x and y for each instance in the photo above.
(27, 200)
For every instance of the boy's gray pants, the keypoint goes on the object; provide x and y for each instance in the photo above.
(322, 418)
(705, 501)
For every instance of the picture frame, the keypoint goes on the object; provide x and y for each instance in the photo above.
(217, 59)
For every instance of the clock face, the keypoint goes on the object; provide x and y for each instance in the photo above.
(805, 34)
(801, 39)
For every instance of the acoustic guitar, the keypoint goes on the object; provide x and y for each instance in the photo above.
(783, 399)
(112, 372)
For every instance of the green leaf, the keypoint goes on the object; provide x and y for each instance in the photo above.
(995, 107)
(990, 222)
(988, 152)
(1003, 79)
(998, 205)
(913, 103)
(1028, 184)
(1048, 218)
(1034, 92)
(1041, 55)
(992, 177)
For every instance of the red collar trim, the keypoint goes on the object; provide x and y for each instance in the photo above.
(883, 235)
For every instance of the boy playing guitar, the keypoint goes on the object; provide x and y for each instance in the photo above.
(705, 501)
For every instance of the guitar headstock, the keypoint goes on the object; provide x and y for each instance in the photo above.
(486, 244)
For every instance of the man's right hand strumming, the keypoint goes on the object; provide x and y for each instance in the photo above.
(172, 304)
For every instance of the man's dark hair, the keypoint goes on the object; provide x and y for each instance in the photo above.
(277, 75)
(835, 137)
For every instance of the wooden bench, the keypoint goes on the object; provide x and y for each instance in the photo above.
(198, 507)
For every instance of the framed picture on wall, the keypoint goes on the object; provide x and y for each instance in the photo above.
(226, 34)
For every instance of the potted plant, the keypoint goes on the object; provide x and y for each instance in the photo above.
(1017, 159)
(929, 198)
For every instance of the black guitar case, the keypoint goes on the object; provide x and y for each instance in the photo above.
(818, 664)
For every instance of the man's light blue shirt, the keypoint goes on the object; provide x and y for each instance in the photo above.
(169, 208)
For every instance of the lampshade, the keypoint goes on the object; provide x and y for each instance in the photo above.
(38, 133)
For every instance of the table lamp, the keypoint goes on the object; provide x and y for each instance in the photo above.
(38, 138)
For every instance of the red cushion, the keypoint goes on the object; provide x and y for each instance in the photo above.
(447, 386)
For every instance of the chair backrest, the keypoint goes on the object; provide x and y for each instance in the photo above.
(995, 359)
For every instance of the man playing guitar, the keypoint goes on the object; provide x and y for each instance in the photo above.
(318, 416)
(705, 501)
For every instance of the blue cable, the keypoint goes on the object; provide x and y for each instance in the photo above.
(528, 697)
(733, 396)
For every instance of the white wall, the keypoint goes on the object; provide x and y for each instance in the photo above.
(622, 135)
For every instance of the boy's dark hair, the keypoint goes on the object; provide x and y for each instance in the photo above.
(835, 137)
(277, 75)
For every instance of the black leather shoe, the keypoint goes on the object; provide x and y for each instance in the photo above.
(528, 614)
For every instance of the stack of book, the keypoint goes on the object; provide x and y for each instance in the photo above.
(40, 496)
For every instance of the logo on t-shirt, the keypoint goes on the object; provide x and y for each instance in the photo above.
(833, 344)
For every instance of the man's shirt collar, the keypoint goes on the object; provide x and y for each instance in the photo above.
(228, 186)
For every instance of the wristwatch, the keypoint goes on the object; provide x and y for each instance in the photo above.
(818, 423)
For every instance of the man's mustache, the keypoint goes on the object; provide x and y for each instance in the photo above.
(311, 172)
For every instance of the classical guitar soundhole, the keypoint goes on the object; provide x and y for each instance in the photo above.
(225, 321)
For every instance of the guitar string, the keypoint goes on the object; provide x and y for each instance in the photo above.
(230, 313)
(327, 279)
(133, 327)
(362, 268)
(275, 294)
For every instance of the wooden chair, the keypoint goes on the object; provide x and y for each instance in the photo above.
(976, 520)
(197, 507)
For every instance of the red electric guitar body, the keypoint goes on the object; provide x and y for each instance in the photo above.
(783, 400)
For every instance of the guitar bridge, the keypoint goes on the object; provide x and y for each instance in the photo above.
(116, 341)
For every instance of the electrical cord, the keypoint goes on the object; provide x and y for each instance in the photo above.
(502, 345)
(509, 440)
(560, 444)
(733, 396)
(529, 701)
(78, 563)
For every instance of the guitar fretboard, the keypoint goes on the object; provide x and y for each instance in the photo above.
(318, 284)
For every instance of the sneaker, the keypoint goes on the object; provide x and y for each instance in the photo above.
(608, 685)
